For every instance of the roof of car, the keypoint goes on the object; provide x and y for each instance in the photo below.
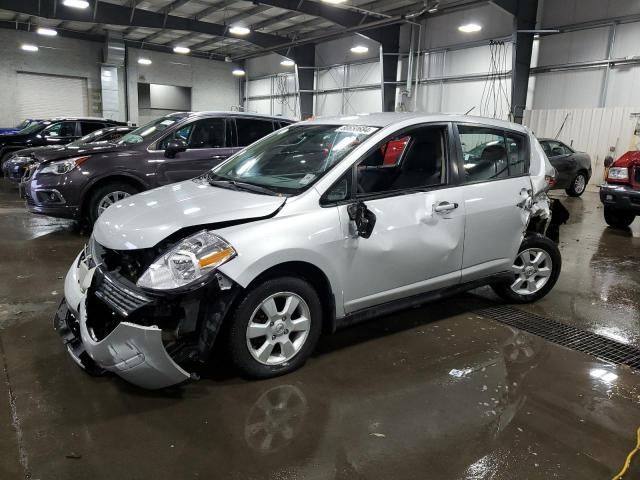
(385, 119)
(99, 119)
(234, 114)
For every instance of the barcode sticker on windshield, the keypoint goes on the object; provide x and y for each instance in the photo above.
(307, 178)
(357, 129)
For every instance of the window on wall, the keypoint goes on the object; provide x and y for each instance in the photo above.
(492, 154)
(251, 130)
(415, 159)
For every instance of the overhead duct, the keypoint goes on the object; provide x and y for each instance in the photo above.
(114, 49)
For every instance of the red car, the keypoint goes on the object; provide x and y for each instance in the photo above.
(621, 193)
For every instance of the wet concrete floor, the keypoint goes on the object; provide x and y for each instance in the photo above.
(432, 393)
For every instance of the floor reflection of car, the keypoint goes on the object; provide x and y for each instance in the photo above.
(28, 159)
(309, 229)
(573, 167)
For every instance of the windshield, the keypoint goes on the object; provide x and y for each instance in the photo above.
(34, 127)
(23, 124)
(151, 128)
(293, 158)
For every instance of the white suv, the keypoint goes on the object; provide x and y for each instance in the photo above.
(319, 225)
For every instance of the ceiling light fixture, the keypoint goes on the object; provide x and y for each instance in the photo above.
(238, 30)
(144, 61)
(29, 48)
(334, 2)
(470, 28)
(287, 62)
(359, 49)
(182, 50)
(48, 32)
(76, 3)
(238, 72)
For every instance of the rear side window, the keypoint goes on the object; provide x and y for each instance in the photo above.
(251, 130)
(414, 159)
(88, 127)
(492, 154)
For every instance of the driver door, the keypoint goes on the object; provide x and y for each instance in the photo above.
(208, 143)
(416, 243)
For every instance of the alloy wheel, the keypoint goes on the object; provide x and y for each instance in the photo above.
(278, 328)
(533, 268)
(579, 184)
(111, 198)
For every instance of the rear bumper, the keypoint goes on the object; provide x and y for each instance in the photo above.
(620, 197)
(134, 352)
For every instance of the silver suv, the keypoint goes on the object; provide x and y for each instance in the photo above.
(319, 225)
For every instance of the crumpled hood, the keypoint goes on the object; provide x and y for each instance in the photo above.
(143, 220)
(60, 153)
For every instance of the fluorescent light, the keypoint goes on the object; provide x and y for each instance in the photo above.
(238, 30)
(434, 8)
(287, 62)
(335, 2)
(29, 48)
(49, 32)
(359, 49)
(76, 3)
(144, 61)
(470, 28)
(181, 49)
(238, 72)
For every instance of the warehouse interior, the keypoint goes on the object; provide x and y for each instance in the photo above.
(467, 387)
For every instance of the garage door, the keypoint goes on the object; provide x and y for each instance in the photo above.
(46, 96)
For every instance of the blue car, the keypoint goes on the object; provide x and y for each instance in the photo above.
(22, 125)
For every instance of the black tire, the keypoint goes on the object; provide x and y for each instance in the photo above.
(91, 208)
(539, 242)
(578, 185)
(618, 218)
(237, 340)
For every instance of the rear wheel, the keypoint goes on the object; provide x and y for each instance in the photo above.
(578, 185)
(536, 270)
(275, 327)
(618, 218)
(106, 195)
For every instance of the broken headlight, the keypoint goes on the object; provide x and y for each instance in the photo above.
(190, 260)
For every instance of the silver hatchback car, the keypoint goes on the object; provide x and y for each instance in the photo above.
(319, 225)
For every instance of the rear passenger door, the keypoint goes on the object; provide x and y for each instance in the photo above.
(495, 173)
(208, 143)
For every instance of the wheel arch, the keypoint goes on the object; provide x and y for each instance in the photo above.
(313, 275)
(100, 182)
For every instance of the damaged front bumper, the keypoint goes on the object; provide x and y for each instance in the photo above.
(102, 323)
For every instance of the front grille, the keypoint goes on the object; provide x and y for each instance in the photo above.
(565, 335)
(123, 300)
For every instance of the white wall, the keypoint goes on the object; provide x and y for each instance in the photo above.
(212, 85)
(57, 56)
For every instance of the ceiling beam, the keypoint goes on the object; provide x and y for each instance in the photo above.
(108, 13)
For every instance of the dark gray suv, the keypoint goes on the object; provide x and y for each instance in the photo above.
(167, 150)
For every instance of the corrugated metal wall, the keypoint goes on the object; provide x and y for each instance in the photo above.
(592, 130)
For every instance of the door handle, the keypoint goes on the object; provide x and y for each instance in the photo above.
(443, 207)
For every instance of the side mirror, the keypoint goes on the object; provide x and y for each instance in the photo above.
(363, 218)
(174, 147)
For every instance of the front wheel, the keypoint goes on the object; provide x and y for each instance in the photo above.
(578, 185)
(275, 327)
(618, 218)
(536, 270)
(105, 196)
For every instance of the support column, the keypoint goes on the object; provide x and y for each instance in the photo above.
(524, 19)
(305, 58)
(389, 38)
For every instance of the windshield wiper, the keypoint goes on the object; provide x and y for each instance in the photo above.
(241, 186)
